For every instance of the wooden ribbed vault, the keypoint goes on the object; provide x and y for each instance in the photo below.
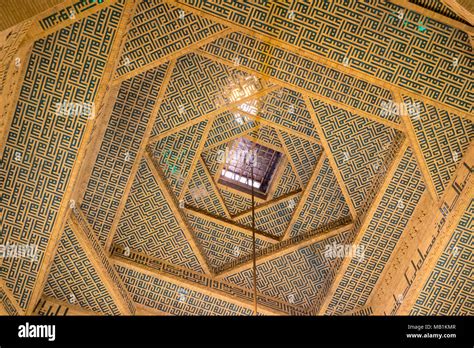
(370, 103)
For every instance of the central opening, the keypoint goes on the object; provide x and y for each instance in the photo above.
(240, 157)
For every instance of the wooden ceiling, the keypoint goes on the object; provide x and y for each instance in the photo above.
(371, 104)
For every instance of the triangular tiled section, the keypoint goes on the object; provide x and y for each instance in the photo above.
(227, 126)
(266, 135)
(201, 193)
(275, 219)
(157, 31)
(288, 108)
(324, 204)
(296, 277)
(222, 244)
(304, 155)
(288, 182)
(176, 152)
(359, 146)
(74, 279)
(236, 203)
(195, 90)
(444, 138)
(148, 223)
(212, 157)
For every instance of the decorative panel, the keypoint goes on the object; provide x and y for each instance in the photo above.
(176, 153)
(291, 68)
(358, 145)
(159, 29)
(222, 244)
(449, 288)
(443, 138)
(288, 108)
(304, 155)
(414, 52)
(381, 236)
(118, 151)
(236, 203)
(266, 134)
(295, 277)
(148, 223)
(42, 144)
(201, 193)
(274, 219)
(287, 183)
(196, 89)
(211, 157)
(74, 279)
(226, 126)
(324, 204)
(170, 298)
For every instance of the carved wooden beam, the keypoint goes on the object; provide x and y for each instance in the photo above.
(63, 212)
(186, 278)
(49, 306)
(296, 213)
(463, 8)
(424, 242)
(230, 224)
(98, 258)
(14, 13)
(332, 161)
(416, 147)
(214, 113)
(140, 153)
(363, 221)
(180, 217)
(284, 247)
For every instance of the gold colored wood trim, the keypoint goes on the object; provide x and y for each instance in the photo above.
(64, 209)
(364, 225)
(283, 248)
(180, 217)
(415, 145)
(140, 153)
(230, 224)
(307, 190)
(330, 157)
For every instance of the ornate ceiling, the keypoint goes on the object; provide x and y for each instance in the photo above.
(370, 104)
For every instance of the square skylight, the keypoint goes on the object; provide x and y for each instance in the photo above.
(243, 154)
